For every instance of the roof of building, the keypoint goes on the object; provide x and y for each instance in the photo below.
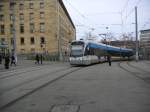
(145, 31)
(63, 6)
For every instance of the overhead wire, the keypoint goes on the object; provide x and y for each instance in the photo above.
(138, 2)
(125, 6)
(102, 13)
(146, 23)
(132, 10)
(82, 15)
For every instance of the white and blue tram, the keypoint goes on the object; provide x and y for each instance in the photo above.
(86, 52)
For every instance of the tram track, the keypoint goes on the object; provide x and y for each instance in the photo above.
(31, 80)
(19, 67)
(147, 63)
(13, 73)
(135, 74)
(2, 107)
(14, 68)
(138, 68)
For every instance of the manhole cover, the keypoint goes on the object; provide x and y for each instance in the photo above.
(65, 108)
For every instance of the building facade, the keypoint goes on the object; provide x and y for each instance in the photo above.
(37, 25)
(145, 43)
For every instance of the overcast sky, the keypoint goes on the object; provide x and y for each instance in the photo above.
(96, 15)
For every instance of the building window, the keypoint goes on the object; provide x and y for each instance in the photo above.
(22, 51)
(42, 27)
(30, 5)
(41, 5)
(21, 6)
(12, 5)
(42, 40)
(22, 41)
(11, 17)
(41, 15)
(21, 18)
(31, 16)
(11, 41)
(21, 28)
(3, 40)
(31, 27)
(2, 29)
(1, 17)
(11, 28)
(32, 50)
(32, 40)
(1, 7)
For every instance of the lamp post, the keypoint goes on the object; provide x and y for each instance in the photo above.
(14, 30)
(58, 31)
(136, 32)
(106, 37)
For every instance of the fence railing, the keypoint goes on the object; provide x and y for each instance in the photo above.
(48, 57)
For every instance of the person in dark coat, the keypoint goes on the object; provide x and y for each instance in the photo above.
(0, 59)
(7, 61)
(13, 61)
(41, 58)
(109, 60)
(37, 59)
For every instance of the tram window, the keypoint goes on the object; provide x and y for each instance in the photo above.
(86, 51)
(76, 53)
(77, 43)
(89, 51)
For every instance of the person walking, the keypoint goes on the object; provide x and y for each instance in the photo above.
(13, 61)
(109, 60)
(0, 59)
(41, 59)
(7, 61)
(37, 59)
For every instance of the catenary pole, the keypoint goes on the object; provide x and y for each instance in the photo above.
(14, 30)
(136, 33)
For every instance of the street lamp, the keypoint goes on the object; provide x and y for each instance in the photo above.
(14, 31)
(58, 31)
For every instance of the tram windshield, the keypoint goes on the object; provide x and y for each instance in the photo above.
(77, 49)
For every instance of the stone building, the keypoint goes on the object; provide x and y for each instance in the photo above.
(145, 43)
(39, 25)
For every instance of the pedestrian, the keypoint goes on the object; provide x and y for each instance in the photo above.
(109, 60)
(41, 58)
(37, 59)
(7, 60)
(13, 61)
(0, 59)
(65, 59)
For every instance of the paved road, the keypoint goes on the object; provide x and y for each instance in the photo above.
(123, 87)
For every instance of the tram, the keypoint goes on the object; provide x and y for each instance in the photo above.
(88, 52)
